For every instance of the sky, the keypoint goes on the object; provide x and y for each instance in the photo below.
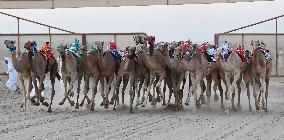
(198, 22)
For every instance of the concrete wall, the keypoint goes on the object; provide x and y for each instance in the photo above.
(269, 39)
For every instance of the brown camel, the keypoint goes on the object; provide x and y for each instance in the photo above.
(232, 69)
(261, 67)
(91, 69)
(72, 69)
(142, 72)
(157, 68)
(39, 66)
(107, 67)
(175, 77)
(128, 69)
(21, 66)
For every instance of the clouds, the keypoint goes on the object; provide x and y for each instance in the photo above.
(173, 22)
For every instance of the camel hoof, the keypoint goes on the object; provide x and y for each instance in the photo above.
(82, 103)
(239, 107)
(61, 103)
(92, 107)
(216, 98)
(49, 110)
(150, 98)
(202, 100)
(22, 106)
(45, 104)
(72, 103)
(131, 111)
(198, 105)
(187, 104)
(111, 101)
(77, 106)
(71, 94)
(36, 104)
(102, 104)
(114, 108)
(164, 104)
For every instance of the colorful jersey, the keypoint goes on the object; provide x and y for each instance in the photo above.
(46, 51)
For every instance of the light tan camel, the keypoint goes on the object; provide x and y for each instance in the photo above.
(157, 68)
(107, 67)
(21, 66)
(91, 69)
(39, 68)
(72, 69)
(232, 69)
(128, 69)
(198, 68)
(176, 76)
(262, 67)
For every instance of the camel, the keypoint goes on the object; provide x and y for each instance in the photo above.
(107, 67)
(91, 69)
(157, 68)
(232, 69)
(128, 69)
(174, 77)
(198, 70)
(151, 42)
(72, 70)
(262, 67)
(39, 66)
(21, 66)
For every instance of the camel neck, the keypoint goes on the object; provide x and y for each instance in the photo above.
(221, 65)
(147, 60)
(15, 62)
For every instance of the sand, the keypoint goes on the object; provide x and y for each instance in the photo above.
(146, 123)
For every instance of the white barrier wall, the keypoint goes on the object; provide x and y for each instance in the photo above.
(268, 39)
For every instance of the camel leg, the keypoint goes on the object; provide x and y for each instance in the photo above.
(192, 78)
(125, 82)
(162, 77)
(148, 90)
(36, 90)
(203, 88)
(24, 91)
(78, 91)
(229, 94)
(41, 79)
(254, 93)
(116, 91)
(52, 78)
(131, 92)
(95, 86)
(262, 93)
(248, 94)
(164, 92)
(208, 91)
(86, 89)
(266, 92)
(109, 81)
(154, 101)
(194, 93)
(239, 93)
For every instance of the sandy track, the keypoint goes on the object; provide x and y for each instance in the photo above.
(155, 123)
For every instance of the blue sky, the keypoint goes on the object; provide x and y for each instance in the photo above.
(167, 23)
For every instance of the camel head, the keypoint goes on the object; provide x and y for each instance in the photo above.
(10, 44)
(100, 45)
(61, 48)
(163, 48)
(140, 39)
(255, 44)
(30, 45)
(218, 55)
(151, 40)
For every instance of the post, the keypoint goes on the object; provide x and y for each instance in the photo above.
(49, 35)
(276, 43)
(18, 35)
(242, 39)
(84, 40)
